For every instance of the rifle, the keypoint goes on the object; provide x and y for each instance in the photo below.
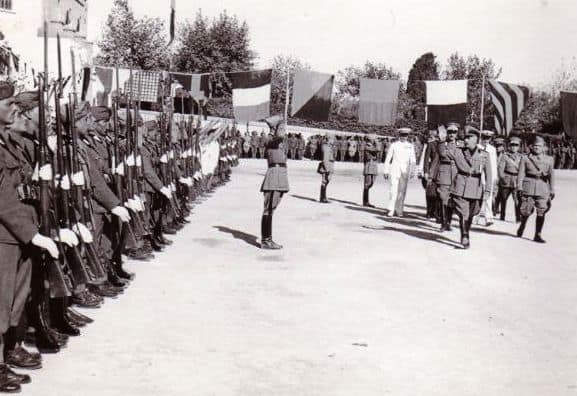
(58, 273)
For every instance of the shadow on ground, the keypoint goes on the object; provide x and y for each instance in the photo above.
(243, 236)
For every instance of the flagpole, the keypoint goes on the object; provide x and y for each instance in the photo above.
(286, 102)
(482, 103)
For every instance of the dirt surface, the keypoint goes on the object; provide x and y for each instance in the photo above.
(355, 304)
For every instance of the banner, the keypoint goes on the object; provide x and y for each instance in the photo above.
(251, 94)
(569, 113)
(312, 92)
(379, 100)
(446, 102)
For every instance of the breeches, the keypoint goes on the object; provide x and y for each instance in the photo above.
(271, 201)
(444, 193)
(326, 178)
(465, 207)
(369, 181)
(530, 203)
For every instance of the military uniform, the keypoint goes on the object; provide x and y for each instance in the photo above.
(445, 174)
(536, 186)
(508, 172)
(326, 168)
(468, 189)
(370, 172)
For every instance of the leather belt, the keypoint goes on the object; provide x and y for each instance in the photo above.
(511, 173)
(470, 174)
(544, 178)
(277, 166)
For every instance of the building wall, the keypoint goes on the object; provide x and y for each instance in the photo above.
(20, 27)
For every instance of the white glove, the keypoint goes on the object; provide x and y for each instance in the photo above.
(166, 192)
(164, 159)
(172, 187)
(45, 243)
(131, 204)
(122, 213)
(52, 142)
(120, 169)
(139, 204)
(78, 179)
(184, 155)
(82, 231)
(68, 237)
(187, 181)
(171, 154)
(139, 161)
(65, 183)
(130, 161)
(45, 173)
(35, 173)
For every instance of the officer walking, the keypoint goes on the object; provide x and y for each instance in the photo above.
(536, 187)
(445, 174)
(399, 166)
(468, 190)
(508, 172)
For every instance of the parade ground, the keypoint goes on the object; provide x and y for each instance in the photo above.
(355, 304)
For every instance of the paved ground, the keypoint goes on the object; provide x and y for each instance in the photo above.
(356, 304)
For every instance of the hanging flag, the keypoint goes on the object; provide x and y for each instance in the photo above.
(509, 100)
(172, 20)
(144, 86)
(65, 17)
(200, 86)
(379, 101)
(446, 102)
(251, 94)
(569, 113)
(312, 93)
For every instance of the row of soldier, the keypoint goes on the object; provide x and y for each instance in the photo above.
(82, 188)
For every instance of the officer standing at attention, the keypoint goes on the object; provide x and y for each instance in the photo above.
(326, 167)
(536, 187)
(275, 182)
(467, 192)
(370, 172)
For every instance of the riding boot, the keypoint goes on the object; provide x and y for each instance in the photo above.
(448, 217)
(59, 319)
(442, 215)
(521, 228)
(264, 228)
(503, 209)
(323, 198)
(538, 228)
(464, 232)
(439, 211)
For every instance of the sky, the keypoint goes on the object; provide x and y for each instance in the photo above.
(529, 39)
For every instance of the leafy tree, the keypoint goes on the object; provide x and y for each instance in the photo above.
(348, 80)
(221, 45)
(131, 42)
(473, 69)
(424, 68)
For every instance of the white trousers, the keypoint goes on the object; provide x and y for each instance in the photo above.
(397, 193)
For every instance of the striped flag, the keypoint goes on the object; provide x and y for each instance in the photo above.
(251, 94)
(509, 100)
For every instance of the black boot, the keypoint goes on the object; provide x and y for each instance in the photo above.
(323, 198)
(448, 217)
(442, 214)
(521, 228)
(538, 228)
(366, 201)
(439, 211)
(503, 209)
(266, 234)
(464, 232)
(59, 319)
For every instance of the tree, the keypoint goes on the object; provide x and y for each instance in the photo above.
(222, 45)
(473, 69)
(131, 42)
(349, 79)
(425, 68)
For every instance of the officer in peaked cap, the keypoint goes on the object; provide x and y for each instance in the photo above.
(508, 168)
(399, 166)
(370, 172)
(275, 183)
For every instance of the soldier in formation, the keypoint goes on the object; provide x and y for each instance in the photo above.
(82, 189)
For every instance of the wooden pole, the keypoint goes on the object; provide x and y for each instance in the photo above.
(286, 102)
(482, 103)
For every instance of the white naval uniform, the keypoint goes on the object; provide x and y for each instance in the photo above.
(487, 204)
(399, 165)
